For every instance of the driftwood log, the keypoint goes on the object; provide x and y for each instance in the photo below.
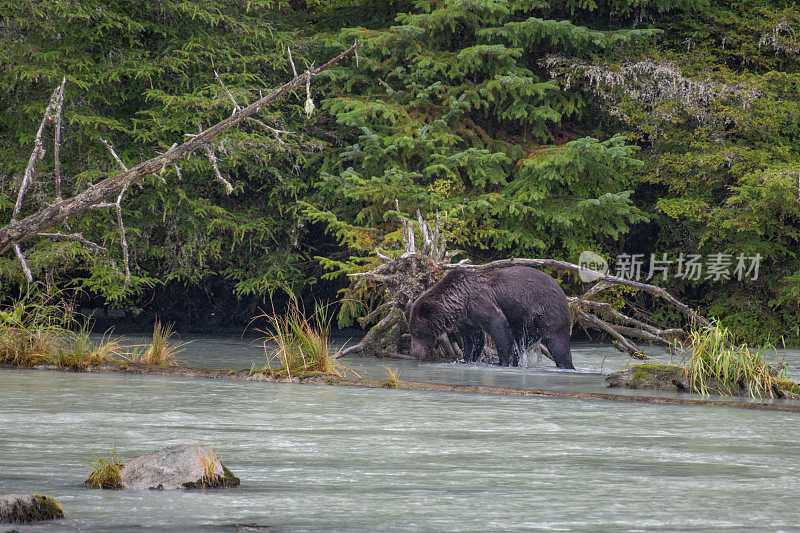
(418, 268)
(110, 192)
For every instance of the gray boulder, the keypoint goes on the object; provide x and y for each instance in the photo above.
(184, 466)
(24, 508)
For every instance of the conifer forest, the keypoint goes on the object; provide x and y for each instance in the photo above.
(661, 135)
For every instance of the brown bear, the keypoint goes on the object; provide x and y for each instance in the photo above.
(515, 305)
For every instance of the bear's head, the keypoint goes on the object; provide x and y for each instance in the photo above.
(423, 329)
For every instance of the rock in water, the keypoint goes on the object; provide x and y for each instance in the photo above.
(24, 508)
(177, 467)
(653, 376)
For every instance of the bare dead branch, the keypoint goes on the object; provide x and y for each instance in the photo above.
(426, 238)
(57, 139)
(595, 289)
(22, 230)
(371, 275)
(161, 173)
(36, 154)
(213, 158)
(596, 322)
(294, 70)
(607, 309)
(236, 106)
(113, 153)
(75, 237)
(381, 255)
(409, 245)
(25, 268)
(123, 238)
(384, 307)
(274, 131)
(438, 245)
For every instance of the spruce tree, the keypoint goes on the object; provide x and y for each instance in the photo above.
(454, 112)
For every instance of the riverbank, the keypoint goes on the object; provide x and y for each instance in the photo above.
(185, 371)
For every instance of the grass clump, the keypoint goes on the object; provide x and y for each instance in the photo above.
(718, 365)
(209, 477)
(302, 342)
(392, 378)
(106, 473)
(43, 328)
(32, 328)
(161, 350)
(79, 351)
(208, 462)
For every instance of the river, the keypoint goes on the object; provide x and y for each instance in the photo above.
(335, 458)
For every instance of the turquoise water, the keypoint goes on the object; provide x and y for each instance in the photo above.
(333, 458)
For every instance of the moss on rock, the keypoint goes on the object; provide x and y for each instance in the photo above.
(226, 480)
(652, 376)
(22, 509)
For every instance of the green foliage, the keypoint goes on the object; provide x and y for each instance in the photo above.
(534, 127)
(714, 105)
(140, 76)
(450, 114)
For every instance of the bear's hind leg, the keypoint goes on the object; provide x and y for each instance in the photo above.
(497, 326)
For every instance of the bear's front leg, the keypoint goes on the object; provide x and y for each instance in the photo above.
(471, 342)
(497, 326)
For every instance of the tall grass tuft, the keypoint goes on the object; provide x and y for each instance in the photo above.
(106, 473)
(32, 328)
(79, 351)
(303, 342)
(208, 460)
(392, 378)
(717, 364)
(41, 327)
(162, 350)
